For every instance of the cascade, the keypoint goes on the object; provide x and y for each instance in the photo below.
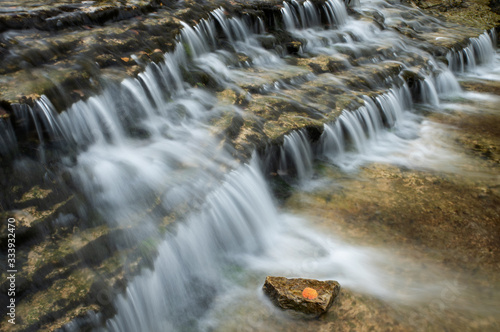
(446, 84)
(289, 16)
(195, 38)
(429, 93)
(146, 144)
(363, 124)
(332, 144)
(120, 132)
(479, 51)
(234, 220)
(336, 12)
(165, 79)
(306, 15)
(296, 154)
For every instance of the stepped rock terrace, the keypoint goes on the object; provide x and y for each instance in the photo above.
(149, 148)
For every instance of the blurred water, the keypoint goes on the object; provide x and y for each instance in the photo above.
(145, 149)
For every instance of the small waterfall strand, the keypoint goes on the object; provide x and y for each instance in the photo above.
(428, 91)
(289, 16)
(446, 83)
(336, 12)
(296, 157)
(479, 51)
(307, 15)
(365, 123)
(196, 39)
(494, 37)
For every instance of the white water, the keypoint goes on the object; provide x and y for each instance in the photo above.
(235, 219)
(480, 51)
(247, 232)
(296, 155)
(147, 143)
(387, 130)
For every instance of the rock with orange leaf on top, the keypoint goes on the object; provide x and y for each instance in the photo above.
(307, 296)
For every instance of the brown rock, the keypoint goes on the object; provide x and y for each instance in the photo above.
(289, 294)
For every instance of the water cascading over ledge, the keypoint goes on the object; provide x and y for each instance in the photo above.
(329, 13)
(150, 139)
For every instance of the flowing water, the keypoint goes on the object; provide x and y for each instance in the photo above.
(145, 149)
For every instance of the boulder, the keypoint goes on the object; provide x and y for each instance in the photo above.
(308, 296)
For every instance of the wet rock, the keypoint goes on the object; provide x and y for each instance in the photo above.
(495, 6)
(308, 296)
(293, 47)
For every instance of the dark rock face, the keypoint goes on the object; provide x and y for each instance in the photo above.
(308, 296)
(495, 6)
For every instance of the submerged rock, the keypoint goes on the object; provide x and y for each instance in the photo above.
(308, 296)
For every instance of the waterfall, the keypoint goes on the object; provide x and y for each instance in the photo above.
(195, 39)
(139, 142)
(343, 35)
(429, 93)
(289, 16)
(306, 15)
(352, 125)
(332, 144)
(234, 28)
(144, 149)
(296, 156)
(479, 51)
(187, 275)
(244, 41)
(391, 105)
(362, 125)
(336, 12)
(483, 48)
(354, 130)
(447, 84)
(161, 81)
(311, 15)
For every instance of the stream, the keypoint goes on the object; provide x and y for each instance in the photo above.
(148, 149)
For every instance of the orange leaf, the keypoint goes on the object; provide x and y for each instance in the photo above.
(309, 293)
